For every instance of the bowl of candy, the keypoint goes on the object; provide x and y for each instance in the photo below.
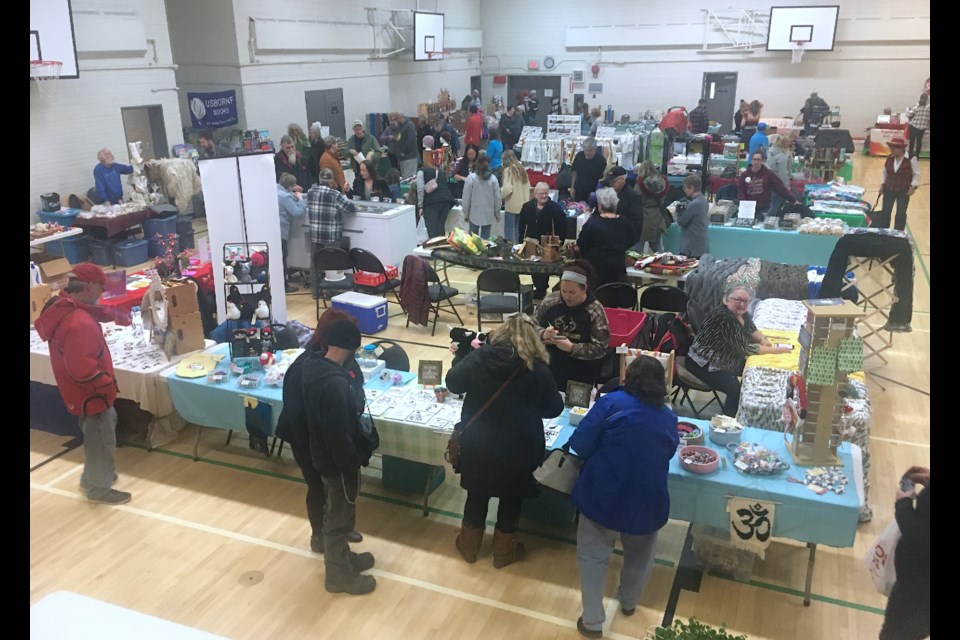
(697, 459)
(689, 433)
(754, 459)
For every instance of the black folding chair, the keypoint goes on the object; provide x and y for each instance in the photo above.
(617, 295)
(363, 260)
(393, 355)
(499, 282)
(685, 382)
(331, 259)
(662, 297)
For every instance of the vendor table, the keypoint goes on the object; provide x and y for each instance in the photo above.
(137, 371)
(787, 247)
(110, 226)
(60, 235)
(671, 279)
(452, 256)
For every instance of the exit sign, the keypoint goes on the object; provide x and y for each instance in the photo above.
(533, 65)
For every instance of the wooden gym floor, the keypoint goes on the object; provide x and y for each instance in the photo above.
(222, 544)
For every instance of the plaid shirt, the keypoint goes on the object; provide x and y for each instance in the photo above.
(325, 209)
(920, 116)
(699, 120)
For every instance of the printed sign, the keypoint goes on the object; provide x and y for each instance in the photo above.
(212, 110)
(430, 373)
(578, 394)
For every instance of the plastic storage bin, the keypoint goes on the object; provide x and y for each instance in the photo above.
(155, 245)
(624, 325)
(163, 226)
(130, 253)
(64, 217)
(75, 249)
(370, 311)
(101, 252)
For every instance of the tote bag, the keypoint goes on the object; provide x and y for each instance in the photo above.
(880, 559)
(559, 471)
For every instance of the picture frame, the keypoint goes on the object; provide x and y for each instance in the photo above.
(578, 394)
(430, 373)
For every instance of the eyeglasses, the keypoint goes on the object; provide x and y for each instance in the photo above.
(740, 300)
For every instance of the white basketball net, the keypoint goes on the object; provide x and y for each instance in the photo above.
(45, 73)
(797, 51)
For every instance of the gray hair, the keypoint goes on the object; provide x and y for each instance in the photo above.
(314, 129)
(607, 199)
(330, 142)
(102, 153)
(590, 143)
(541, 185)
(737, 286)
(287, 180)
(285, 139)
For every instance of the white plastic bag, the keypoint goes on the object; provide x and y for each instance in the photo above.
(422, 231)
(880, 559)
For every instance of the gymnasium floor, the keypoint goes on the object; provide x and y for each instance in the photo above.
(222, 544)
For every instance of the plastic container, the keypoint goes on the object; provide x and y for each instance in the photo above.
(624, 325)
(576, 415)
(130, 253)
(690, 433)
(76, 249)
(370, 311)
(64, 217)
(163, 226)
(101, 252)
(155, 246)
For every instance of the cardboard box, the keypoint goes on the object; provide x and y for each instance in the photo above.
(187, 333)
(38, 297)
(55, 272)
(181, 299)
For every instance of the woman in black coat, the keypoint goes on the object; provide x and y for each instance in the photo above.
(501, 449)
(367, 185)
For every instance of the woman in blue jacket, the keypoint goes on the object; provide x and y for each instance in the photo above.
(627, 440)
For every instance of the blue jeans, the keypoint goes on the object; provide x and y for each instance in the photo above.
(594, 548)
(511, 227)
(99, 446)
(481, 230)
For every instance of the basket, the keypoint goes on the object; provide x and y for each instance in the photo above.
(624, 325)
(696, 467)
(690, 433)
(368, 279)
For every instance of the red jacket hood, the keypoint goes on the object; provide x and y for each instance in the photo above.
(61, 307)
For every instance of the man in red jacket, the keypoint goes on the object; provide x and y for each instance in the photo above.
(83, 369)
(899, 181)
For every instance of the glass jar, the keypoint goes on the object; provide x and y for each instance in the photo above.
(368, 356)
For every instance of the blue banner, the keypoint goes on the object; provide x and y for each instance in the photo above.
(212, 110)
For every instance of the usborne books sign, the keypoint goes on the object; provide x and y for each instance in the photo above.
(212, 110)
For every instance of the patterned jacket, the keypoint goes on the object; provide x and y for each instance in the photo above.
(325, 210)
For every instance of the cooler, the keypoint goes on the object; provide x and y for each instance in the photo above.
(370, 311)
(129, 253)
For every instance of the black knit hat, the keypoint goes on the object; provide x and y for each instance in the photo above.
(344, 334)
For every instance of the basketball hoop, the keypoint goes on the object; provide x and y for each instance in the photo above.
(798, 51)
(44, 72)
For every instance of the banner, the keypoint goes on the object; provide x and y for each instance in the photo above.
(213, 110)
(751, 524)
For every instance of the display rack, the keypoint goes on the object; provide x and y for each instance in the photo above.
(876, 302)
(824, 163)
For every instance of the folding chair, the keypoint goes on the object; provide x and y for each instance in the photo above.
(437, 293)
(363, 260)
(617, 295)
(499, 282)
(662, 297)
(393, 355)
(331, 259)
(685, 382)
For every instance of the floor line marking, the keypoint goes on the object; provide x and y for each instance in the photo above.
(65, 474)
(904, 442)
(529, 613)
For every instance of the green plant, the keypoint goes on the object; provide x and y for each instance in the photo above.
(693, 630)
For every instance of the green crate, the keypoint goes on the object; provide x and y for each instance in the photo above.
(852, 219)
(408, 476)
(549, 508)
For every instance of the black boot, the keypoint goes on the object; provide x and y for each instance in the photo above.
(346, 580)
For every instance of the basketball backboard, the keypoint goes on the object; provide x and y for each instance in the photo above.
(815, 26)
(427, 36)
(51, 34)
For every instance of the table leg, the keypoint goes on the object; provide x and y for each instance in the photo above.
(806, 592)
(688, 577)
(196, 444)
(426, 490)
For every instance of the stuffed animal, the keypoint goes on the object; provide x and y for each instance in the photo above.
(464, 341)
(259, 259)
(262, 311)
(233, 312)
(244, 274)
(228, 276)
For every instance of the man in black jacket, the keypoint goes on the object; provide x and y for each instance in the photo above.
(407, 149)
(321, 422)
(630, 204)
(540, 217)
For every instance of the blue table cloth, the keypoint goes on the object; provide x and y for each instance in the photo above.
(787, 247)
(801, 514)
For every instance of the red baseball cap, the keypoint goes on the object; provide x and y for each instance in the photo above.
(897, 141)
(89, 272)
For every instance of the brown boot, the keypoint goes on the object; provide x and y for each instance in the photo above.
(468, 542)
(507, 548)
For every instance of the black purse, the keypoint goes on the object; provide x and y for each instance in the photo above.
(454, 444)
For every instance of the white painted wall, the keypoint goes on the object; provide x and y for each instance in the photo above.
(859, 78)
(66, 134)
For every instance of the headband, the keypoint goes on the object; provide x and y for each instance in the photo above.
(573, 276)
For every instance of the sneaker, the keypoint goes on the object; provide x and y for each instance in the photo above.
(289, 288)
(361, 562)
(356, 584)
(112, 497)
(589, 633)
(628, 612)
(354, 536)
(85, 488)
(897, 328)
(316, 544)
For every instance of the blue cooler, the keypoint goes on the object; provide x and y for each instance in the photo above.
(155, 246)
(101, 252)
(370, 311)
(163, 226)
(130, 253)
(76, 249)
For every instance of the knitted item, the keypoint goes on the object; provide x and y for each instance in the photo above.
(787, 281)
(705, 286)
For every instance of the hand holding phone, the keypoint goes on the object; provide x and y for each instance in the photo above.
(906, 484)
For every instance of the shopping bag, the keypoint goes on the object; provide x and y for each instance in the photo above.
(880, 559)
(559, 471)
(422, 231)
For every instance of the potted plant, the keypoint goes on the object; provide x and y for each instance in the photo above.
(691, 630)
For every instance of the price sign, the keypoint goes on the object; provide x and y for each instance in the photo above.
(430, 373)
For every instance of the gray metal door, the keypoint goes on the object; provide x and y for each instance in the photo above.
(548, 94)
(720, 89)
(145, 125)
(326, 105)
